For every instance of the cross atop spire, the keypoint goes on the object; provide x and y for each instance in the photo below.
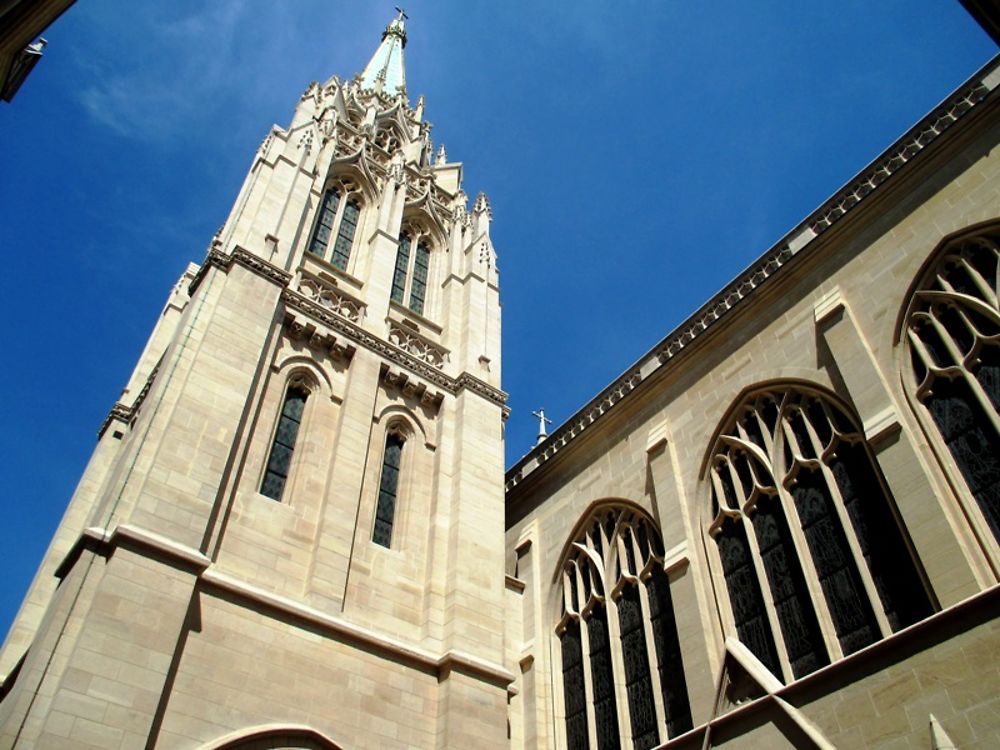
(386, 71)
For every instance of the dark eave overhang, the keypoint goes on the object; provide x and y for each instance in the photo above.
(966, 99)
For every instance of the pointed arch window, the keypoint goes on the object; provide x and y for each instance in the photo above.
(953, 334)
(622, 670)
(413, 258)
(286, 433)
(337, 223)
(388, 487)
(815, 561)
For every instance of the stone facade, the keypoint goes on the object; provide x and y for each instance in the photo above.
(823, 316)
(293, 531)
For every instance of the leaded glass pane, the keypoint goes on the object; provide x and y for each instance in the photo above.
(973, 443)
(418, 289)
(574, 692)
(745, 597)
(803, 640)
(402, 265)
(668, 654)
(638, 685)
(385, 508)
(848, 603)
(280, 457)
(324, 222)
(889, 561)
(345, 236)
(605, 712)
(988, 373)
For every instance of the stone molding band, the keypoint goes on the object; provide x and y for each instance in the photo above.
(149, 544)
(216, 258)
(320, 314)
(967, 99)
(297, 301)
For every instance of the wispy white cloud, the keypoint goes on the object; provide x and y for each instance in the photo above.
(165, 70)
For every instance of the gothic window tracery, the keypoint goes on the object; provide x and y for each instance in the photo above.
(815, 562)
(388, 488)
(387, 140)
(286, 432)
(622, 671)
(409, 279)
(337, 222)
(953, 335)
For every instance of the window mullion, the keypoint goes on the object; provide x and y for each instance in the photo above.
(768, 595)
(871, 590)
(653, 662)
(618, 670)
(813, 586)
(588, 679)
(977, 389)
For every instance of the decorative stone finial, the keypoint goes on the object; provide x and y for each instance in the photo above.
(442, 156)
(483, 205)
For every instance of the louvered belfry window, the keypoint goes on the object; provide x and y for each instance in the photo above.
(618, 639)
(801, 512)
(953, 334)
(409, 278)
(336, 224)
(283, 445)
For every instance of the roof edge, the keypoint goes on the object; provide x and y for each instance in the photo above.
(963, 100)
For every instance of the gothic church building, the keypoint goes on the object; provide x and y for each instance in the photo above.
(779, 528)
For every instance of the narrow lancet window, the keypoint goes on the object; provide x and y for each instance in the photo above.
(413, 260)
(345, 236)
(325, 221)
(336, 223)
(388, 489)
(280, 458)
(402, 267)
(418, 289)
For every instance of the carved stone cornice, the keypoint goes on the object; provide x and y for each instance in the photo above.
(482, 388)
(306, 306)
(967, 99)
(319, 339)
(295, 301)
(413, 388)
(216, 258)
(119, 413)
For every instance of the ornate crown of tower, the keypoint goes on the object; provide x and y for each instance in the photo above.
(308, 454)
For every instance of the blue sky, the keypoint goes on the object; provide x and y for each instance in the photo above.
(637, 156)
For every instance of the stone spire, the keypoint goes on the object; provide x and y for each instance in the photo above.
(386, 71)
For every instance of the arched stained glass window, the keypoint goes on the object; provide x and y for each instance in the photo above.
(802, 513)
(283, 445)
(337, 223)
(953, 334)
(620, 651)
(409, 279)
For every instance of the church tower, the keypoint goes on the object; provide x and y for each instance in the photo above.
(291, 529)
